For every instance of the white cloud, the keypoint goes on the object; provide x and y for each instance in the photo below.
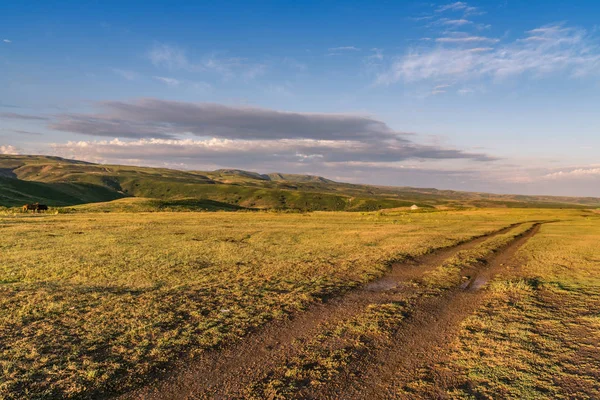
(423, 18)
(8, 149)
(457, 22)
(171, 57)
(466, 39)
(546, 50)
(168, 81)
(245, 153)
(344, 48)
(579, 173)
(175, 58)
(459, 5)
(480, 49)
(440, 89)
(7, 41)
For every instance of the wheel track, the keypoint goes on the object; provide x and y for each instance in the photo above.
(422, 341)
(225, 373)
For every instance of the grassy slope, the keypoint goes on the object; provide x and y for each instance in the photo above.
(141, 204)
(15, 192)
(97, 183)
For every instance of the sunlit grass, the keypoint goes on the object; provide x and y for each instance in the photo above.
(93, 302)
(537, 336)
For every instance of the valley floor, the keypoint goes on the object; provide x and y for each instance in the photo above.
(485, 303)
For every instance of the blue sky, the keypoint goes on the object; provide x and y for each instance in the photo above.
(498, 96)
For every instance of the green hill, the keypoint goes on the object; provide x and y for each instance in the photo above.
(61, 182)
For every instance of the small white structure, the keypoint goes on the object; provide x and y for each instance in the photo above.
(414, 207)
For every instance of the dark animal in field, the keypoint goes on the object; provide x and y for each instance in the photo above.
(35, 207)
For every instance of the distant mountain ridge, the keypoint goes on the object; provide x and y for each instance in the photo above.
(63, 182)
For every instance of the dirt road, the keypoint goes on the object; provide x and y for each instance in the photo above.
(416, 344)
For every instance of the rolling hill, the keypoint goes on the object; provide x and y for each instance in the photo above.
(61, 182)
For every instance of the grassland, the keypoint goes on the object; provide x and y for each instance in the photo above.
(93, 302)
(537, 336)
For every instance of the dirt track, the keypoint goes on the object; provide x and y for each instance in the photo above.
(421, 342)
(417, 344)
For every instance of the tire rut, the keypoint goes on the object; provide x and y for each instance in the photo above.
(422, 341)
(227, 372)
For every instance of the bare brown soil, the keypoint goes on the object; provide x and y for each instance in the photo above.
(418, 343)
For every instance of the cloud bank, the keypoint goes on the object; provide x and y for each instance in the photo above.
(229, 132)
(8, 149)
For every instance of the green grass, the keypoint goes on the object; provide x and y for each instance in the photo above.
(59, 181)
(140, 204)
(94, 301)
(15, 193)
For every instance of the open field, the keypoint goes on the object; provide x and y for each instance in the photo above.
(100, 303)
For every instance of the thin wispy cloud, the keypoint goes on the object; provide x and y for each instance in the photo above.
(457, 22)
(7, 41)
(440, 89)
(423, 18)
(448, 23)
(460, 7)
(26, 117)
(344, 48)
(543, 51)
(22, 132)
(456, 6)
(168, 81)
(466, 39)
(171, 57)
(175, 58)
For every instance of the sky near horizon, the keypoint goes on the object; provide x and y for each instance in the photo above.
(496, 96)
